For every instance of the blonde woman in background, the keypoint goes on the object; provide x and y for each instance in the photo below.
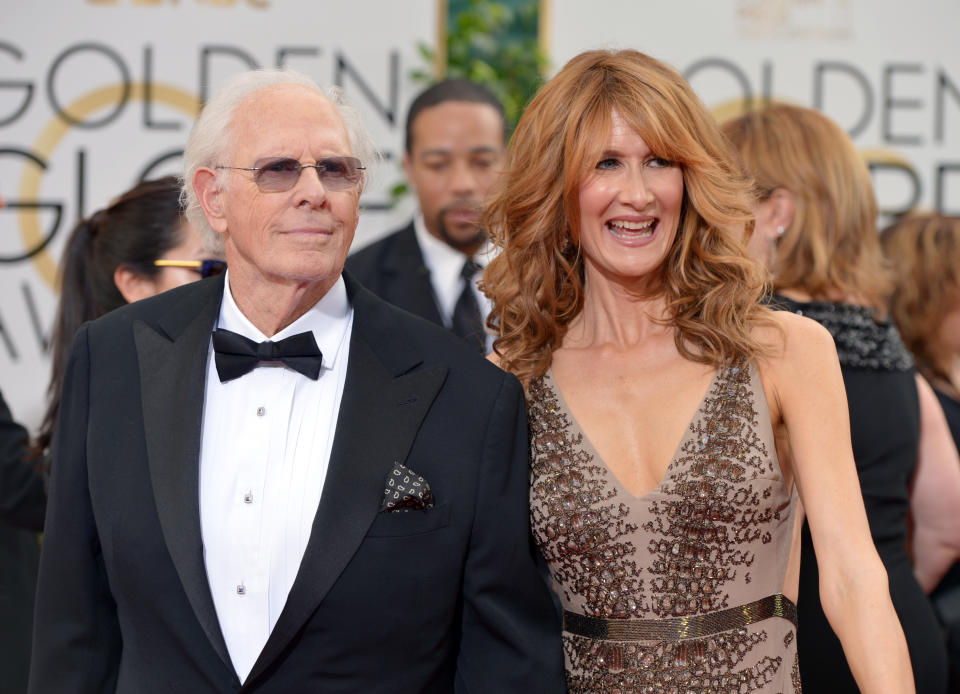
(660, 394)
(924, 254)
(816, 226)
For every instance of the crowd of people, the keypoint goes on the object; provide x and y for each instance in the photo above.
(712, 448)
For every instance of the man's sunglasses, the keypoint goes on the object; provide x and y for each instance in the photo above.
(206, 268)
(279, 174)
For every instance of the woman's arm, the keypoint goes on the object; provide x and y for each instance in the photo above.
(854, 592)
(934, 493)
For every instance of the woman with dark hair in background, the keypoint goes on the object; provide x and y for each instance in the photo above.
(924, 253)
(816, 228)
(660, 394)
(139, 246)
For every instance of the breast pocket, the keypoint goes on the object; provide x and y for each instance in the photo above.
(405, 523)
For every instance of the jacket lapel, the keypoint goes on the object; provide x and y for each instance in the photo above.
(173, 359)
(410, 286)
(385, 398)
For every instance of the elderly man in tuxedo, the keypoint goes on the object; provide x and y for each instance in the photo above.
(275, 482)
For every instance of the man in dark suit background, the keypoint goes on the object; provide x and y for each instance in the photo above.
(325, 494)
(455, 134)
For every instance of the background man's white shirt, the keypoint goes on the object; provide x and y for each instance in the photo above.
(445, 264)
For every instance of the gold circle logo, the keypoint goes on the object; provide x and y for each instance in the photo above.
(56, 130)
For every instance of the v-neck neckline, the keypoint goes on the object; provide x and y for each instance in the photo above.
(588, 443)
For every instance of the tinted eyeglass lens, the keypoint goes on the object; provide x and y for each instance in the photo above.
(277, 174)
(333, 169)
(336, 173)
(211, 268)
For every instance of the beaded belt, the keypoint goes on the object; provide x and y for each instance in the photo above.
(674, 628)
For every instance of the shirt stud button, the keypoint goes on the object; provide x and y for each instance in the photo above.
(248, 498)
(261, 411)
(241, 589)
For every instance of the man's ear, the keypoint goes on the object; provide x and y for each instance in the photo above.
(407, 166)
(207, 188)
(133, 285)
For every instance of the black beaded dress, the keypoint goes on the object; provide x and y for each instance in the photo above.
(879, 377)
(946, 596)
(676, 591)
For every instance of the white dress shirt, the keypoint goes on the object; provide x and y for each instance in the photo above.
(445, 264)
(264, 455)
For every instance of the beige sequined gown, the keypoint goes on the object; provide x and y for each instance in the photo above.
(678, 591)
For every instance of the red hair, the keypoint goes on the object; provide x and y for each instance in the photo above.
(712, 288)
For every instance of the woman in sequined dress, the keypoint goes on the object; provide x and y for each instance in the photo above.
(817, 202)
(660, 393)
(924, 253)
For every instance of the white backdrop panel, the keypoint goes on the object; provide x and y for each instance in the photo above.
(887, 71)
(126, 76)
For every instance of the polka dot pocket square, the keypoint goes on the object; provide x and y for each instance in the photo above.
(405, 490)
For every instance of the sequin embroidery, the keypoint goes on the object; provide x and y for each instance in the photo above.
(703, 540)
(581, 530)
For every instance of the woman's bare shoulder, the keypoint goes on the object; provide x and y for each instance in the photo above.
(788, 336)
(798, 351)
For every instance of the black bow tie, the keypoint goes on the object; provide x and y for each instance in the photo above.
(237, 355)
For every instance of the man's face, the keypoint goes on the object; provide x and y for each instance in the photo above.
(295, 237)
(454, 159)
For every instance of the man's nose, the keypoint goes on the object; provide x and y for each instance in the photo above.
(463, 179)
(310, 189)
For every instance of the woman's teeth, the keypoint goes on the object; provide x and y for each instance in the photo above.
(625, 229)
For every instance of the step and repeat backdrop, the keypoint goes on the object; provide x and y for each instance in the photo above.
(97, 94)
(887, 72)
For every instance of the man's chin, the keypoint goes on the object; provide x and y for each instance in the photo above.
(463, 238)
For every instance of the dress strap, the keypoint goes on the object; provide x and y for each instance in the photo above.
(673, 628)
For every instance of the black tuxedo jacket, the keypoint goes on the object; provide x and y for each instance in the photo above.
(441, 600)
(393, 269)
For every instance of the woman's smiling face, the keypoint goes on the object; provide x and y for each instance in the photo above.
(630, 207)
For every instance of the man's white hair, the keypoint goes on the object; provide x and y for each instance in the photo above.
(210, 135)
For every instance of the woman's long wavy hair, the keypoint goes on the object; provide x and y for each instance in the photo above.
(924, 254)
(712, 290)
(830, 250)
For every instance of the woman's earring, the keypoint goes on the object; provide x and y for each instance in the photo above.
(781, 230)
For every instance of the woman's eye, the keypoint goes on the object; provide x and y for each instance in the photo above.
(659, 162)
(608, 163)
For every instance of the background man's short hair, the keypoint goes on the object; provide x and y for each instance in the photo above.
(453, 89)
